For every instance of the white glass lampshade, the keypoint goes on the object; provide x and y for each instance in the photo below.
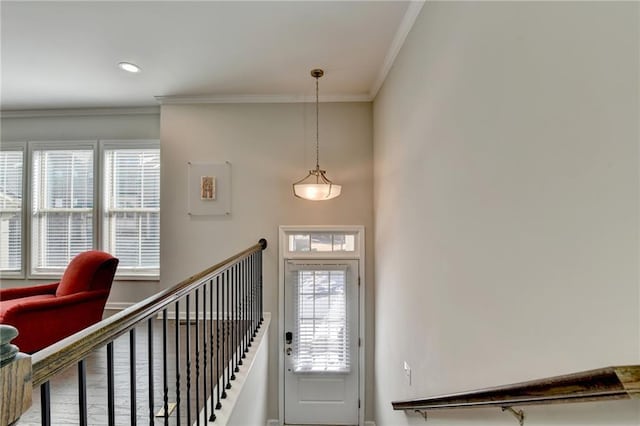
(317, 191)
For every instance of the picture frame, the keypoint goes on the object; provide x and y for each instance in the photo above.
(208, 188)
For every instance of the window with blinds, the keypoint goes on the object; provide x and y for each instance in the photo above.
(62, 207)
(131, 227)
(321, 341)
(11, 172)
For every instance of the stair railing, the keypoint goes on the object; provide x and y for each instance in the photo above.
(221, 309)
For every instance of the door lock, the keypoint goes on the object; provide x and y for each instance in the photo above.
(289, 350)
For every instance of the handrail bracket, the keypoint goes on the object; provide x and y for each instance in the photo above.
(423, 413)
(518, 414)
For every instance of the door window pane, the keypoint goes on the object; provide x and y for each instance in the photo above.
(321, 339)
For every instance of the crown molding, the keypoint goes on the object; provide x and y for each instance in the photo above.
(408, 20)
(78, 112)
(413, 10)
(258, 99)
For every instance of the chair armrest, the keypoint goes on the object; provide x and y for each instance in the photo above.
(57, 303)
(42, 322)
(19, 292)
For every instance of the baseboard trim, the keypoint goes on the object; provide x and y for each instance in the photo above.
(275, 422)
(118, 306)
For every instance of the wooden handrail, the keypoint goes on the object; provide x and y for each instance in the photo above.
(58, 357)
(622, 382)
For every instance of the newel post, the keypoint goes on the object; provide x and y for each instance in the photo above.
(15, 378)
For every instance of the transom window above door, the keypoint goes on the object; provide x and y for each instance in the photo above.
(322, 242)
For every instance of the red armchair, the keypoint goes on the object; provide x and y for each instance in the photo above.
(48, 313)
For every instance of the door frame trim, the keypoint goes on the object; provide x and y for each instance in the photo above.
(360, 256)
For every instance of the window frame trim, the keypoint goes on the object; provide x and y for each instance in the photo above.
(283, 255)
(134, 144)
(60, 145)
(332, 230)
(24, 241)
(97, 146)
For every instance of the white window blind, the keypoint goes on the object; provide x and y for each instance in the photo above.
(132, 209)
(11, 167)
(62, 207)
(321, 341)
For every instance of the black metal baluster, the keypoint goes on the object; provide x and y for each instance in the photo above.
(239, 348)
(205, 344)
(45, 404)
(177, 362)
(249, 301)
(221, 330)
(254, 295)
(249, 306)
(188, 351)
(225, 337)
(150, 356)
(234, 322)
(204, 348)
(260, 287)
(245, 311)
(241, 310)
(111, 404)
(82, 392)
(229, 335)
(223, 342)
(165, 371)
(132, 375)
(215, 356)
(198, 360)
(218, 404)
(213, 414)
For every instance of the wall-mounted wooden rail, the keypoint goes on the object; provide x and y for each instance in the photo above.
(611, 383)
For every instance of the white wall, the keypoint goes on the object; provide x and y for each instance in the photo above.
(506, 205)
(269, 147)
(250, 408)
(64, 126)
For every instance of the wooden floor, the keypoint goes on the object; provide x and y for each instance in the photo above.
(64, 387)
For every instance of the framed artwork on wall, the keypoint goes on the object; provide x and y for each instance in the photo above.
(209, 188)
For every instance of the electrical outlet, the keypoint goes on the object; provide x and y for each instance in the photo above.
(407, 372)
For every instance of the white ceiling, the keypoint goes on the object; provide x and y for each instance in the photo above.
(65, 54)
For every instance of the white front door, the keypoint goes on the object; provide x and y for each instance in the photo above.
(321, 342)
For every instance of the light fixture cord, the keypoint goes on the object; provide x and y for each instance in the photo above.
(317, 130)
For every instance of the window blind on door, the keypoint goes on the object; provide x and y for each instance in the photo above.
(132, 209)
(62, 207)
(11, 168)
(321, 340)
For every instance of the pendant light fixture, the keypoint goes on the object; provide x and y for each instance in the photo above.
(316, 186)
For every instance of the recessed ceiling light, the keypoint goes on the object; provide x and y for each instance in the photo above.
(128, 66)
